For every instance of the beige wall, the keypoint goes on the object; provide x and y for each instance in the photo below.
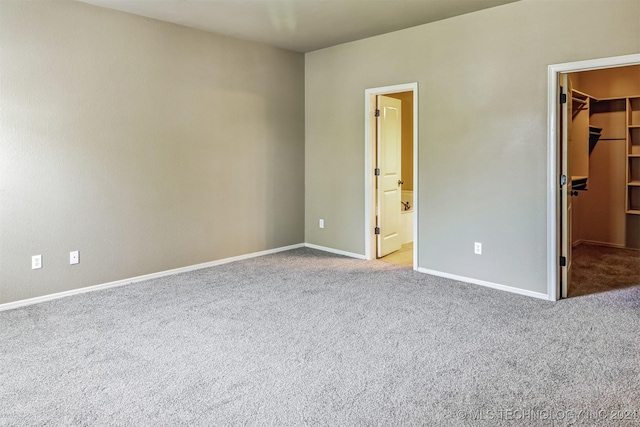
(482, 81)
(407, 137)
(144, 145)
(599, 214)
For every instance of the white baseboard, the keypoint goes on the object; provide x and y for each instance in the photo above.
(487, 284)
(50, 297)
(334, 251)
(605, 244)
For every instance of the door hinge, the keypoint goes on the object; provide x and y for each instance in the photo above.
(563, 180)
(563, 98)
(563, 261)
(377, 172)
(377, 230)
(377, 113)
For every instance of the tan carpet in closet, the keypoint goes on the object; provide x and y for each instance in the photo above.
(598, 269)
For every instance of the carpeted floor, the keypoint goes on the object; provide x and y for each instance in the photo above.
(598, 269)
(309, 338)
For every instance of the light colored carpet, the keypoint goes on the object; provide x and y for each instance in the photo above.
(309, 338)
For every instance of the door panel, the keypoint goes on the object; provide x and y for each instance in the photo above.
(389, 190)
(565, 191)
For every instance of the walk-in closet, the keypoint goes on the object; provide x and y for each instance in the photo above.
(604, 158)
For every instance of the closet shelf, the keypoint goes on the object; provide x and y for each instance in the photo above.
(633, 183)
(577, 94)
(579, 183)
(612, 98)
(582, 101)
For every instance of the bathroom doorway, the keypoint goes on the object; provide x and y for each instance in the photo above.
(391, 181)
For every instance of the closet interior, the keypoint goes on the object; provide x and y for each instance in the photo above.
(604, 153)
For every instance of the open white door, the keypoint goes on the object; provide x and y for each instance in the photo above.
(565, 190)
(389, 159)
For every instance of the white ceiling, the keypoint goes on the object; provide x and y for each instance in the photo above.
(299, 25)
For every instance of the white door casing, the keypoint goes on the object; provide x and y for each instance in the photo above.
(554, 216)
(370, 190)
(389, 160)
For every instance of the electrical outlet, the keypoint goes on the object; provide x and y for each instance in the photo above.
(36, 262)
(74, 257)
(477, 248)
(321, 223)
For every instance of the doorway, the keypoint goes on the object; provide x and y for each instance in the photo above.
(400, 234)
(569, 172)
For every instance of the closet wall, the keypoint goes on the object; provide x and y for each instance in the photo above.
(599, 214)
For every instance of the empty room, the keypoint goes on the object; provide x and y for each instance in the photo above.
(319, 212)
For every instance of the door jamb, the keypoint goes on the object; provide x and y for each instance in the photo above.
(369, 162)
(553, 210)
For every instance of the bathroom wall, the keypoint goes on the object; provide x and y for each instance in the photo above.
(407, 137)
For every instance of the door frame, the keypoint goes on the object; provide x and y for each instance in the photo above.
(369, 165)
(554, 238)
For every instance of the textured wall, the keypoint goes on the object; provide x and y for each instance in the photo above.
(482, 81)
(144, 145)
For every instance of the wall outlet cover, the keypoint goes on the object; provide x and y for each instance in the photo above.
(36, 262)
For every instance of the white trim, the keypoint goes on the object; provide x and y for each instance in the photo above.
(603, 244)
(50, 297)
(552, 195)
(415, 177)
(369, 199)
(486, 284)
(334, 251)
(553, 240)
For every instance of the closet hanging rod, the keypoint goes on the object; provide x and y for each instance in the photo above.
(576, 110)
